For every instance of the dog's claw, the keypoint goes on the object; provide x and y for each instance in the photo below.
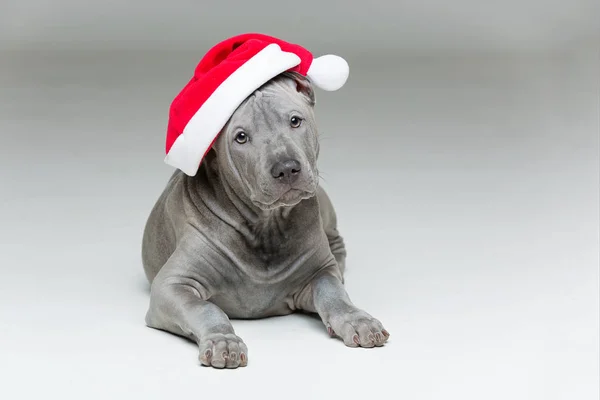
(330, 331)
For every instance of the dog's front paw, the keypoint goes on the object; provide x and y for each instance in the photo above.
(358, 329)
(223, 351)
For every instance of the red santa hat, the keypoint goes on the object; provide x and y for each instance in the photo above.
(228, 73)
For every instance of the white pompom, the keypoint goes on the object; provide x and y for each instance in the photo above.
(329, 72)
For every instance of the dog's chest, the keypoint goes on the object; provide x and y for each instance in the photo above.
(280, 253)
(267, 262)
(269, 268)
(270, 238)
(278, 241)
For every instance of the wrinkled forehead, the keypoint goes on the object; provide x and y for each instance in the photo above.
(270, 101)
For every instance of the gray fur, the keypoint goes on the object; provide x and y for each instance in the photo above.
(235, 242)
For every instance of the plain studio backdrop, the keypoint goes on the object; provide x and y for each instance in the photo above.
(462, 158)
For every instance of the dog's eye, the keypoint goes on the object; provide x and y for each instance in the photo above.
(295, 121)
(241, 138)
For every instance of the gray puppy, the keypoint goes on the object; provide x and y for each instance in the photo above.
(252, 235)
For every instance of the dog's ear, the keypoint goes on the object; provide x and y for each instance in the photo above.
(303, 86)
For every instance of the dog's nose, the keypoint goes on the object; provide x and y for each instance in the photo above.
(286, 171)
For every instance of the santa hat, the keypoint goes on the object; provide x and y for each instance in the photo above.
(228, 73)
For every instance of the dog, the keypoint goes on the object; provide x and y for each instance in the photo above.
(252, 235)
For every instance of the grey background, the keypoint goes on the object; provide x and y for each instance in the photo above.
(462, 157)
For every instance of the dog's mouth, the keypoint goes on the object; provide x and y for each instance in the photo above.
(289, 198)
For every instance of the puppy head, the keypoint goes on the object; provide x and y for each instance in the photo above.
(268, 150)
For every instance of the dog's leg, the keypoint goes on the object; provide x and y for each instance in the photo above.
(178, 305)
(329, 219)
(326, 296)
(338, 249)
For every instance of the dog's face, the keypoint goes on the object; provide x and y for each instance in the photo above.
(269, 148)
